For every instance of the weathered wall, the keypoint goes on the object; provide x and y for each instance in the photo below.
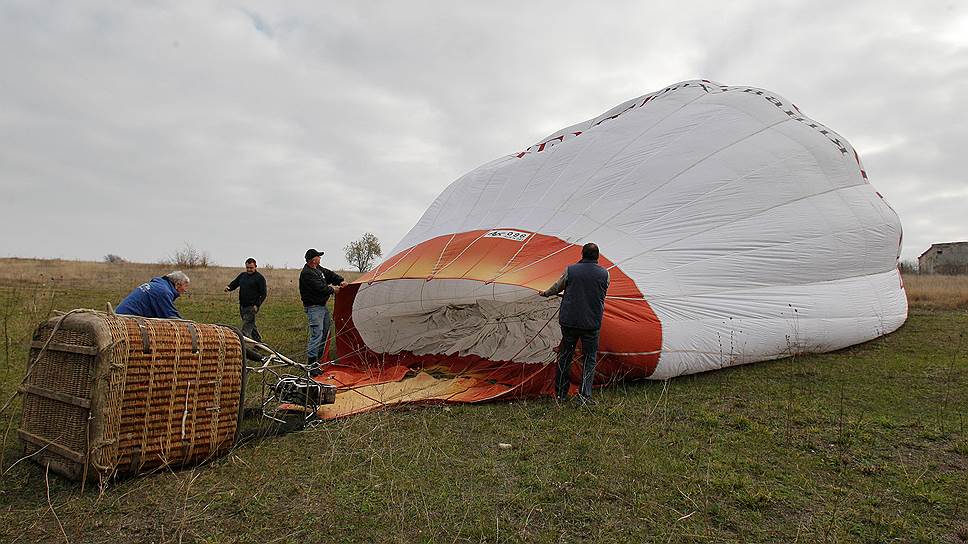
(948, 258)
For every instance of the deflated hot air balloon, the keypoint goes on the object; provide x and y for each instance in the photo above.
(735, 230)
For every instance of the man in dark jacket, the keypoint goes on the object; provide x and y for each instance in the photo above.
(252, 293)
(155, 298)
(580, 316)
(316, 284)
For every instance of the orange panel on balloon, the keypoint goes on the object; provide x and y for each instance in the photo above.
(631, 335)
(535, 262)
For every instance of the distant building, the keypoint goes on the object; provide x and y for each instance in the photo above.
(948, 258)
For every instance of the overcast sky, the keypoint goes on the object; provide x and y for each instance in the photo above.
(265, 128)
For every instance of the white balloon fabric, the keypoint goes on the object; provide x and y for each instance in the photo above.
(735, 230)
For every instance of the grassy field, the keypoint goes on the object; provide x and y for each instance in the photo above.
(867, 444)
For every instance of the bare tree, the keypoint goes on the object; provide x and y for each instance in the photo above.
(362, 252)
(190, 257)
(908, 267)
(114, 259)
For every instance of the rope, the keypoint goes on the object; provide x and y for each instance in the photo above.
(43, 349)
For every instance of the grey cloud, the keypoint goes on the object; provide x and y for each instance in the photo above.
(315, 122)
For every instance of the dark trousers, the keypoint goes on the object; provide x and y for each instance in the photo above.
(589, 348)
(249, 327)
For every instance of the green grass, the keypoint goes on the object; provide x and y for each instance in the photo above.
(867, 444)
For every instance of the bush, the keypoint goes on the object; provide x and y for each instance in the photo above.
(189, 257)
(114, 259)
(908, 267)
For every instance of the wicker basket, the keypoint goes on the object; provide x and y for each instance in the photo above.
(118, 395)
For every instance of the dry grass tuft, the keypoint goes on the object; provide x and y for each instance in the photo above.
(122, 277)
(936, 292)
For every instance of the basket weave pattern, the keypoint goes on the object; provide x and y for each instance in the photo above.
(121, 395)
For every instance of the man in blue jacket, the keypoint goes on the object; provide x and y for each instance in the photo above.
(156, 298)
(580, 317)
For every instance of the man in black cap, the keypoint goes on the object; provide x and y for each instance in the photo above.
(316, 284)
(252, 293)
(580, 317)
